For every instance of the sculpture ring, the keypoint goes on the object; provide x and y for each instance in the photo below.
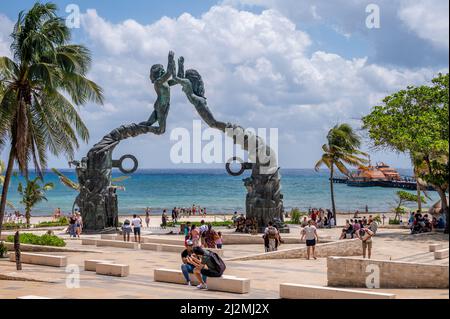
(235, 159)
(119, 164)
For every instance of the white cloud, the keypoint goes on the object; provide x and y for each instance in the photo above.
(428, 19)
(257, 72)
(6, 27)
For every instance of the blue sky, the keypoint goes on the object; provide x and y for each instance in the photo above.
(297, 65)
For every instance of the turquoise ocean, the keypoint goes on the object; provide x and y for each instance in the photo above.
(218, 192)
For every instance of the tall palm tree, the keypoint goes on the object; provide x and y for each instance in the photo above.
(44, 82)
(342, 148)
(32, 193)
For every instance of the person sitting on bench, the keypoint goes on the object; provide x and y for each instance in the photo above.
(207, 263)
(186, 267)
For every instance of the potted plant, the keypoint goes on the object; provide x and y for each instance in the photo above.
(3, 250)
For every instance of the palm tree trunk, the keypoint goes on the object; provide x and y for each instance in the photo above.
(8, 174)
(419, 200)
(333, 206)
(28, 216)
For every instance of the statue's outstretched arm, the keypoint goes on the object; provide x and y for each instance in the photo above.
(170, 69)
(180, 67)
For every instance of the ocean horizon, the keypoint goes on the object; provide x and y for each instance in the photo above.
(217, 191)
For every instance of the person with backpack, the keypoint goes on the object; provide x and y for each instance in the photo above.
(188, 268)
(271, 236)
(207, 263)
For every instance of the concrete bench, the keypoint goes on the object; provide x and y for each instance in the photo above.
(32, 297)
(225, 283)
(117, 243)
(108, 236)
(434, 247)
(40, 259)
(296, 291)
(173, 248)
(110, 269)
(441, 254)
(88, 241)
(166, 241)
(91, 264)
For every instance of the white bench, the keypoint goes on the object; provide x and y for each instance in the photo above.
(40, 259)
(441, 254)
(108, 236)
(110, 269)
(296, 291)
(225, 283)
(174, 248)
(88, 241)
(117, 243)
(32, 297)
(91, 264)
(434, 247)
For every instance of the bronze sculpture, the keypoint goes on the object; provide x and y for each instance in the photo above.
(97, 200)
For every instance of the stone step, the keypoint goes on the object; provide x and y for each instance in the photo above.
(434, 247)
(117, 243)
(225, 283)
(297, 291)
(88, 241)
(91, 264)
(441, 254)
(110, 269)
(40, 259)
(174, 248)
(32, 297)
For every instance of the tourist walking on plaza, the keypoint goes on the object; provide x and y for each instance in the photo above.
(78, 224)
(219, 240)
(137, 224)
(365, 235)
(310, 234)
(174, 215)
(147, 216)
(126, 230)
(72, 222)
(271, 236)
(210, 237)
(164, 219)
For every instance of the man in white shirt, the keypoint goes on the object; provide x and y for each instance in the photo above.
(136, 222)
(310, 232)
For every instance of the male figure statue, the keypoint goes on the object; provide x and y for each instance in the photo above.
(160, 79)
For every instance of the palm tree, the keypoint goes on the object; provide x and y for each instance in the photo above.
(342, 148)
(43, 84)
(2, 179)
(32, 193)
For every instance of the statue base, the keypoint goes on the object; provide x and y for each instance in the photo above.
(282, 230)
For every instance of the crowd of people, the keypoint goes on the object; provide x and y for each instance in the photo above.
(202, 236)
(244, 224)
(419, 223)
(17, 217)
(321, 218)
(352, 227)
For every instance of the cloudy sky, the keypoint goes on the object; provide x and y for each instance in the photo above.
(297, 65)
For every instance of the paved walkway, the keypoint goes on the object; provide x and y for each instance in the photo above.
(265, 276)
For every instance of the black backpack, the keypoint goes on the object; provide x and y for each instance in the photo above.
(220, 265)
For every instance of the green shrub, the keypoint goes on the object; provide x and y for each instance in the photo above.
(296, 216)
(394, 222)
(43, 240)
(377, 218)
(12, 226)
(3, 249)
(62, 221)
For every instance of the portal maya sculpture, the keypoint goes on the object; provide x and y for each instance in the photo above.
(97, 199)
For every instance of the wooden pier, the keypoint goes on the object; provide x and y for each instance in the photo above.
(407, 183)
